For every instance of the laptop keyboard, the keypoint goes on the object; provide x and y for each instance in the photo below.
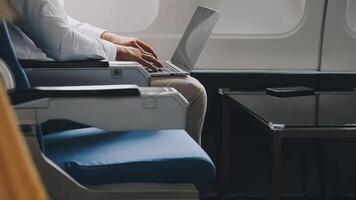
(165, 69)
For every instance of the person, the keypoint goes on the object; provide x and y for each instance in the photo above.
(43, 30)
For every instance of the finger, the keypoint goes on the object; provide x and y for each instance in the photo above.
(147, 64)
(147, 48)
(151, 59)
(137, 46)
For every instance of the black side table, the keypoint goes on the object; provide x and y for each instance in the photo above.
(326, 115)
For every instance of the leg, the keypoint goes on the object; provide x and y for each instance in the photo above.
(334, 168)
(321, 167)
(225, 155)
(195, 93)
(275, 191)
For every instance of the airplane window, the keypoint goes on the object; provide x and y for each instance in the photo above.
(115, 14)
(351, 15)
(256, 16)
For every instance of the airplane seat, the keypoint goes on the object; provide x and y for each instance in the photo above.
(119, 156)
(95, 157)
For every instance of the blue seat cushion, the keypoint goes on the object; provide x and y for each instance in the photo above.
(95, 157)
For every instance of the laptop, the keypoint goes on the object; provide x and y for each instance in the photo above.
(191, 45)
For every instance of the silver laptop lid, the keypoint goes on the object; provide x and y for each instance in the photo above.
(194, 38)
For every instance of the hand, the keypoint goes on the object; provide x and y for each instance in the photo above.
(128, 41)
(146, 59)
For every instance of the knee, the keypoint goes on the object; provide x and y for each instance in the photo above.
(198, 91)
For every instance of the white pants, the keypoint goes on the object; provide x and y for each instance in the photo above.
(195, 93)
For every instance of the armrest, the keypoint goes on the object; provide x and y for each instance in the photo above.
(63, 64)
(152, 110)
(73, 91)
(50, 73)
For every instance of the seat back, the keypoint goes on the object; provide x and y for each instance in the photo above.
(7, 54)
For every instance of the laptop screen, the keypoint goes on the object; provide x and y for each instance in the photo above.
(194, 38)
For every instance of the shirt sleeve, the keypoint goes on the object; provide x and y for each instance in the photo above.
(85, 28)
(46, 23)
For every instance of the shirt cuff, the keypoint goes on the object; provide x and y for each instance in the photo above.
(110, 50)
(94, 32)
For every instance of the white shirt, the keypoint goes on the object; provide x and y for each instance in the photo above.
(44, 31)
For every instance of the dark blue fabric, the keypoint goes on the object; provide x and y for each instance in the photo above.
(8, 55)
(95, 157)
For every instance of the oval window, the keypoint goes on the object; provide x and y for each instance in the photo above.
(260, 17)
(351, 15)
